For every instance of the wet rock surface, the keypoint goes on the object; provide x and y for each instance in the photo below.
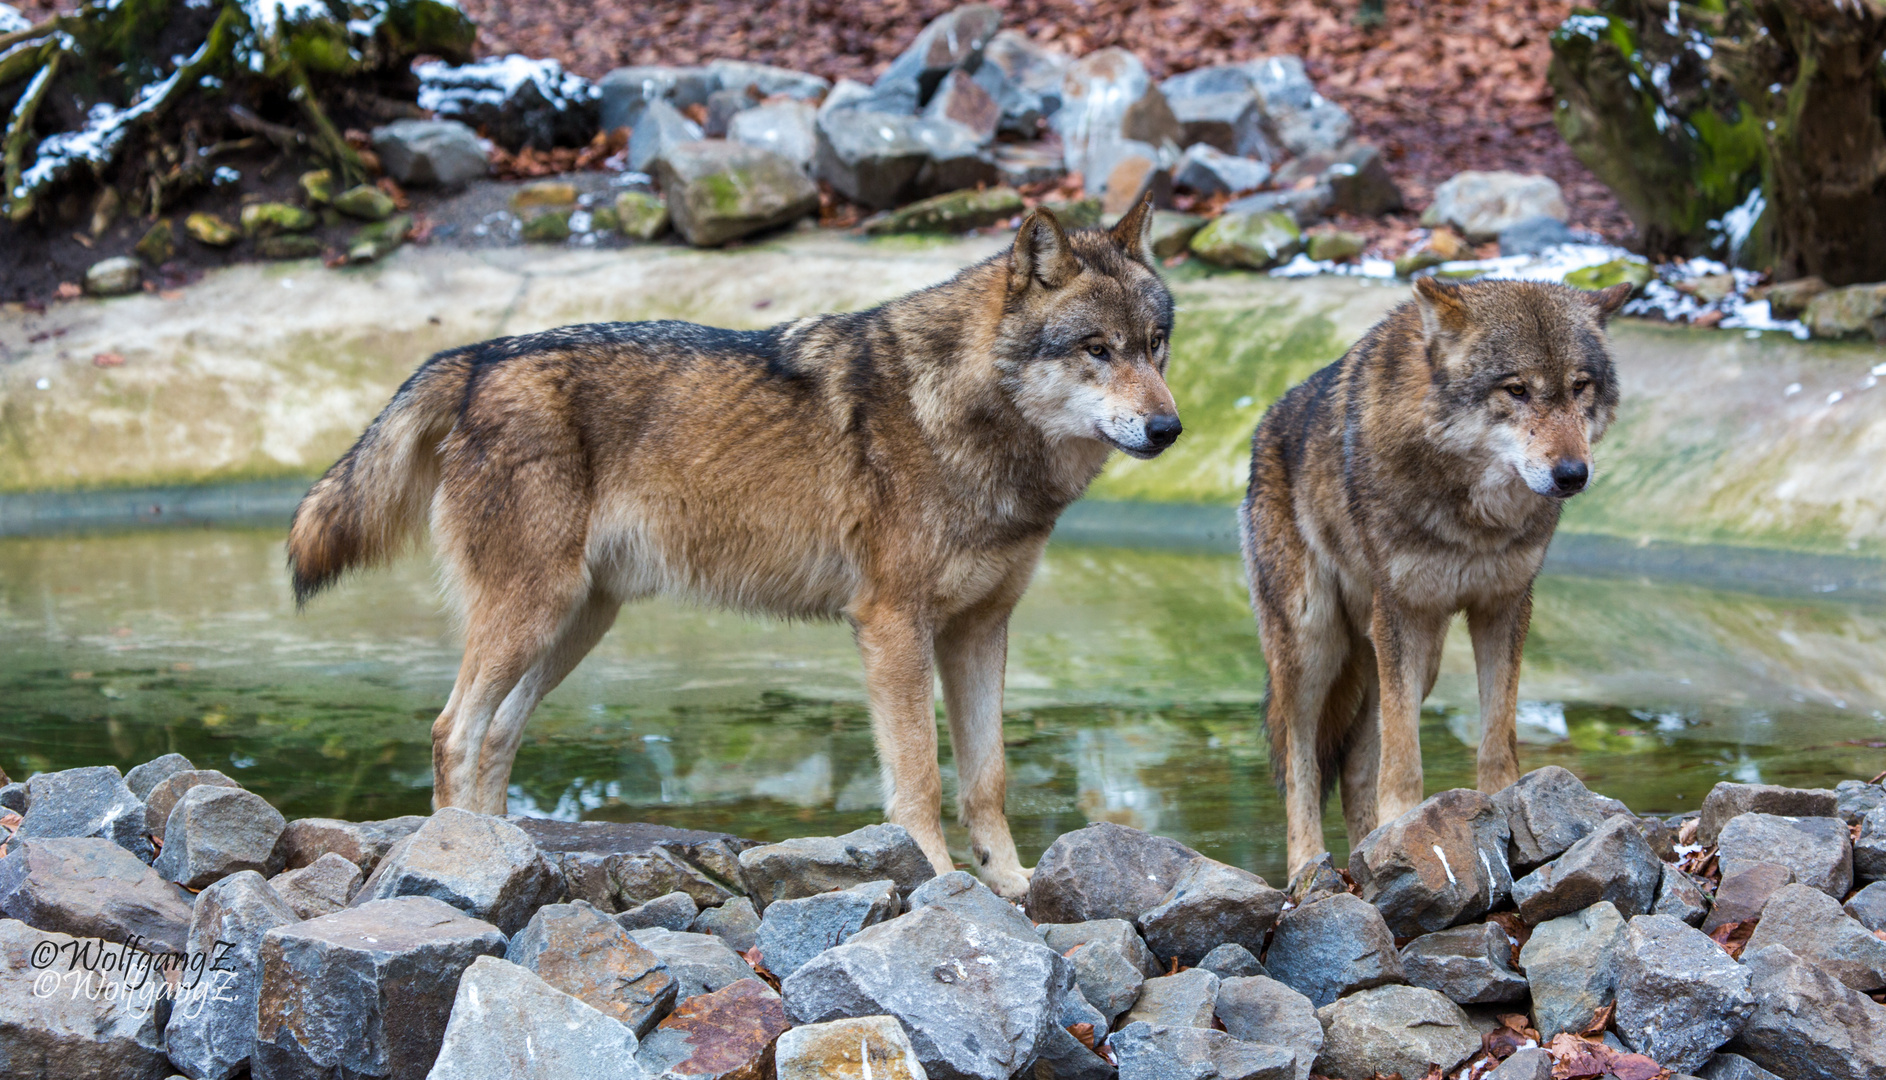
(90, 887)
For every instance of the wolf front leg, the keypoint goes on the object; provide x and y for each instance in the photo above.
(971, 653)
(899, 678)
(1407, 659)
(1499, 638)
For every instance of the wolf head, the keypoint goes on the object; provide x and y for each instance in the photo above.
(1523, 375)
(1086, 332)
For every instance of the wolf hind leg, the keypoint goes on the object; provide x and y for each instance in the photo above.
(899, 676)
(1307, 656)
(971, 654)
(1361, 755)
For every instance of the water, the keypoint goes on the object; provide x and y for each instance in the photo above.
(1132, 686)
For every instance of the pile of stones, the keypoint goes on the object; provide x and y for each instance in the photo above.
(168, 921)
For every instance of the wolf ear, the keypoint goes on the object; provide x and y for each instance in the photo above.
(1133, 233)
(1608, 301)
(1041, 253)
(1443, 309)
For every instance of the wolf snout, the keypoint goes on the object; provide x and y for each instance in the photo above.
(1163, 430)
(1570, 477)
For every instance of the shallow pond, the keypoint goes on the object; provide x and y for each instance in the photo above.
(1132, 689)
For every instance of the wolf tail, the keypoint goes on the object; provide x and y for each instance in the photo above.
(375, 499)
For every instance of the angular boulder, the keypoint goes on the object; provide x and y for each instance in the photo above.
(1469, 965)
(217, 831)
(365, 992)
(1110, 109)
(1438, 865)
(1869, 847)
(1211, 904)
(786, 128)
(1729, 800)
(92, 888)
(812, 865)
(1549, 810)
(1679, 897)
(169, 791)
(1741, 896)
(627, 91)
(953, 41)
(320, 888)
(725, 1035)
(620, 865)
(1612, 864)
(1104, 871)
(582, 952)
(861, 1048)
(1333, 947)
(1152, 1052)
(211, 1033)
(1209, 171)
(1852, 798)
(56, 1020)
(1813, 926)
(792, 932)
(1217, 107)
(660, 130)
(1869, 906)
(88, 802)
(1806, 1022)
(484, 866)
(960, 892)
(430, 153)
(722, 191)
(1679, 995)
(1185, 999)
(961, 100)
(1390, 1029)
(766, 80)
(1296, 116)
(1818, 850)
(1571, 966)
(697, 963)
(142, 778)
(1262, 1010)
(674, 911)
(1481, 204)
(1252, 240)
(734, 922)
(1229, 961)
(363, 843)
(508, 1024)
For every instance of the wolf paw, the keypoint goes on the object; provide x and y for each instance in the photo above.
(1009, 883)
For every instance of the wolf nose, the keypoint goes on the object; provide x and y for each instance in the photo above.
(1163, 431)
(1570, 476)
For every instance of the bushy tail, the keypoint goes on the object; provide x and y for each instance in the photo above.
(377, 496)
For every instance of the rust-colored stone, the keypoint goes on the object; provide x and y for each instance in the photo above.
(726, 1035)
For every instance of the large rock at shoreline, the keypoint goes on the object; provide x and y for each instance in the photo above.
(320, 888)
(88, 802)
(1393, 1029)
(1333, 947)
(366, 991)
(699, 964)
(864, 1048)
(1727, 801)
(1469, 965)
(734, 922)
(978, 1005)
(1571, 965)
(1262, 1010)
(1612, 863)
(484, 866)
(1104, 871)
(1151, 1052)
(725, 1035)
(1812, 926)
(1808, 1023)
(582, 952)
(1438, 865)
(142, 778)
(1741, 896)
(675, 911)
(815, 864)
(960, 892)
(211, 1033)
(792, 932)
(363, 843)
(72, 1031)
(1819, 850)
(217, 831)
(508, 1024)
(1549, 810)
(1185, 999)
(171, 790)
(1679, 995)
(1209, 905)
(616, 866)
(91, 887)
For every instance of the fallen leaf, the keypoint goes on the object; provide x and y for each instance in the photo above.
(108, 359)
(68, 290)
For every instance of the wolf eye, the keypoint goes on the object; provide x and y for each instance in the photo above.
(1098, 352)
(1518, 390)
(1159, 342)
(1580, 384)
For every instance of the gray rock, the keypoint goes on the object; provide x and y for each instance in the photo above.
(1869, 906)
(1153, 1052)
(1808, 1023)
(722, 107)
(959, 891)
(142, 778)
(1852, 798)
(1262, 1010)
(1679, 995)
(1104, 871)
(1481, 204)
(14, 797)
(1549, 810)
(211, 1033)
(363, 843)
(1295, 115)
(1209, 905)
(961, 100)
(1529, 1063)
(977, 1004)
(1393, 1029)
(518, 101)
(1333, 947)
(721, 191)
(792, 932)
(484, 866)
(859, 1048)
(388, 970)
(430, 153)
(77, 1030)
(734, 922)
(508, 1023)
(1742, 894)
(1186, 999)
(1612, 864)
(952, 41)
(619, 865)
(1869, 848)
(1230, 961)
(812, 865)
(171, 790)
(1813, 927)
(88, 802)
(1438, 865)
(90, 887)
(1355, 175)
(1316, 880)
(1064, 1057)
(767, 79)
(217, 831)
(881, 159)
(1208, 171)
(1229, 121)
(660, 129)
(1110, 110)
(626, 92)
(320, 888)
(1727, 801)
(1679, 897)
(116, 276)
(1303, 206)
(1024, 79)
(1855, 311)
(1734, 1067)
(1571, 966)
(581, 951)
(726, 1034)
(786, 128)
(697, 963)
(1470, 965)
(1107, 979)
(1819, 850)
(1116, 934)
(1021, 164)
(674, 911)
(1530, 236)
(1660, 836)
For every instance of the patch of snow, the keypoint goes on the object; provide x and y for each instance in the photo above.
(448, 90)
(11, 21)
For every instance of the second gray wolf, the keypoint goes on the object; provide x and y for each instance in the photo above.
(899, 468)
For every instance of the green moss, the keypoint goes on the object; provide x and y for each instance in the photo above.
(640, 215)
(1616, 272)
(953, 212)
(1252, 241)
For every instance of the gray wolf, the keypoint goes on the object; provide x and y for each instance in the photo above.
(899, 468)
(1419, 476)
